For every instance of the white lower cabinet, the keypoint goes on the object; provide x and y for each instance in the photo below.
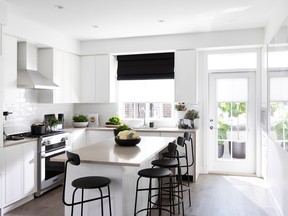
(78, 139)
(13, 174)
(148, 133)
(93, 136)
(20, 164)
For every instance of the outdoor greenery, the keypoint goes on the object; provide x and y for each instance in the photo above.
(233, 110)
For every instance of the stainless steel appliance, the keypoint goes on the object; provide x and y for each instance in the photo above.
(50, 173)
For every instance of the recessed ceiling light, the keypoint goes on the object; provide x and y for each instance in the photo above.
(60, 7)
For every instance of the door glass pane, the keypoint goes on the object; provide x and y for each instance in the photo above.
(232, 117)
(279, 123)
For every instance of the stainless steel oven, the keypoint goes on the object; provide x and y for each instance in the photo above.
(50, 173)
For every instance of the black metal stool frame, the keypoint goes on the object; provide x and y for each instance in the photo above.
(159, 194)
(74, 159)
(170, 163)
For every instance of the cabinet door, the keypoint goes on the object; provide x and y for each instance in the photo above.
(93, 136)
(97, 79)
(13, 174)
(75, 79)
(186, 84)
(148, 133)
(78, 139)
(30, 168)
(9, 68)
(88, 79)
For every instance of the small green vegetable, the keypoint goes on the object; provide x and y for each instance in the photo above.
(122, 127)
(114, 120)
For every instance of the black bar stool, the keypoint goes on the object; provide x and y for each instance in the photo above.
(184, 156)
(85, 183)
(174, 163)
(154, 173)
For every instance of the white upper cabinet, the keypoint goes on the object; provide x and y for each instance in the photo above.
(3, 14)
(9, 78)
(64, 70)
(98, 79)
(186, 79)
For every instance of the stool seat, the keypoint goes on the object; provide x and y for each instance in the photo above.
(85, 183)
(155, 173)
(91, 182)
(165, 163)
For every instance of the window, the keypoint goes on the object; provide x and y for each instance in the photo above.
(151, 99)
(279, 108)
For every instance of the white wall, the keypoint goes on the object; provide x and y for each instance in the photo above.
(277, 174)
(249, 37)
(277, 18)
(34, 33)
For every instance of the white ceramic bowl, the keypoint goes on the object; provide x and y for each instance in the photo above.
(80, 124)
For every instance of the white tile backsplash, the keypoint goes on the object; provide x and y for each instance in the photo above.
(105, 110)
(26, 111)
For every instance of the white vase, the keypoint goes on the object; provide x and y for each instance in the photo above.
(80, 124)
(179, 115)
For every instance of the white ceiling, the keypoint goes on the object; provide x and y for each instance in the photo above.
(134, 18)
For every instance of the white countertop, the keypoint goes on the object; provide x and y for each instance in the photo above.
(109, 153)
(160, 129)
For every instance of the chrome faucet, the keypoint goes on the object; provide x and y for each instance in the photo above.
(144, 111)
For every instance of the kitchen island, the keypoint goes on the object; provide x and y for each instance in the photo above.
(118, 163)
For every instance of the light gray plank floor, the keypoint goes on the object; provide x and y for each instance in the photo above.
(212, 195)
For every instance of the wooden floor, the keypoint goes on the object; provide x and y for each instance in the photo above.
(212, 195)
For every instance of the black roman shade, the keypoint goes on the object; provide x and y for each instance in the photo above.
(146, 66)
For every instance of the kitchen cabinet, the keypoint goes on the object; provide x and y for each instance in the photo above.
(78, 139)
(9, 77)
(63, 69)
(147, 133)
(94, 136)
(20, 164)
(186, 79)
(3, 14)
(98, 79)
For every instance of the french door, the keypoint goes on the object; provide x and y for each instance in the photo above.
(231, 137)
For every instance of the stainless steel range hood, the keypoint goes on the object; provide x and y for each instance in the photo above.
(27, 74)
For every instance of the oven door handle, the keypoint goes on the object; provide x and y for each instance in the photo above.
(43, 154)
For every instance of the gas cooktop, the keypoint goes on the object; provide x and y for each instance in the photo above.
(20, 136)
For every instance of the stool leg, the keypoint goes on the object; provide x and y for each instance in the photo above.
(82, 198)
(159, 195)
(149, 202)
(73, 197)
(109, 200)
(101, 199)
(136, 196)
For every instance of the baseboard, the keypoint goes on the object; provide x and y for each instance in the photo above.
(17, 204)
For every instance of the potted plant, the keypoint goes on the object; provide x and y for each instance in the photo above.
(180, 108)
(121, 128)
(191, 115)
(80, 121)
(52, 123)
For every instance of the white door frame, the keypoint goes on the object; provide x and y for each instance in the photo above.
(204, 123)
